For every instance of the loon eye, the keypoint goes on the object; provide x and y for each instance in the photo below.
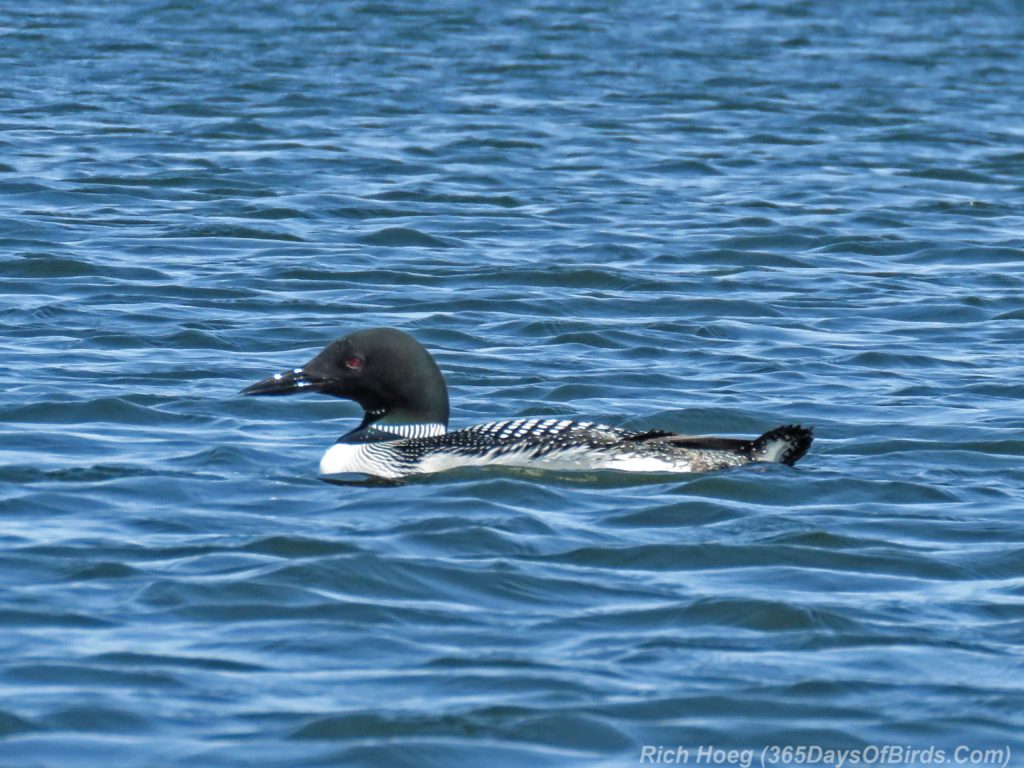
(354, 363)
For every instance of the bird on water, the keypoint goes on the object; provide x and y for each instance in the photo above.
(405, 432)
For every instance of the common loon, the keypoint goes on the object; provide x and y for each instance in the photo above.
(405, 423)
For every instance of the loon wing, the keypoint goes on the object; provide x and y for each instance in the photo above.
(786, 445)
(693, 442)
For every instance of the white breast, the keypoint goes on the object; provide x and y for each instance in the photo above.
(355, 458)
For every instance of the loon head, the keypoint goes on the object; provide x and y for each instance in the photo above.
(386, 371)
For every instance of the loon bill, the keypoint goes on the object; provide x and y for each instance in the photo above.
(405, 423)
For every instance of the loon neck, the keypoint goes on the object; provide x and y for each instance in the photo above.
(384, 418)
(382, 426)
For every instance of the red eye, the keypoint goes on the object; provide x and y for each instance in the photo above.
(355, 363)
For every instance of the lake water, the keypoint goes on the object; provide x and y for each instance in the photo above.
(705, 217)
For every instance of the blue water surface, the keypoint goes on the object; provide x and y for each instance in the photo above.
(708, 217)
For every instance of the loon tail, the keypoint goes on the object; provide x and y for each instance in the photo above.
(785, 445)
